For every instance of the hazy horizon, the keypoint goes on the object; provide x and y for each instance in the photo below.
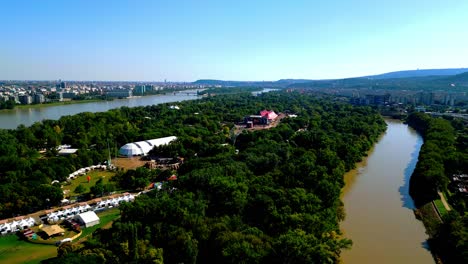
(183, 41)
(190, 81)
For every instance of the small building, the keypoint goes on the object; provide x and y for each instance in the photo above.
(265, 118)
(66, 152)
(142, 148)
(88, 219)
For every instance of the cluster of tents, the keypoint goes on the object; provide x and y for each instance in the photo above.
(114, 202)
(83, 171)
(57, 216)
(17, 225)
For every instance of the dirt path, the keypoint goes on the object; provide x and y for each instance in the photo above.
(444, 202)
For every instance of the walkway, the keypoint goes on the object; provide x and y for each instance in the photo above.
(444, 202)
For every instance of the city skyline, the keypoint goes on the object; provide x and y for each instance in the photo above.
(183, 41)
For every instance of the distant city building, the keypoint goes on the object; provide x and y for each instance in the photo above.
(14, 98)
(122, 93)
(140, 90)
(69, 95)
(25, 99)
(420, 109)
(39, 98)
(426, 98)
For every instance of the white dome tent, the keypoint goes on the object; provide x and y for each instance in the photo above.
(142, 148)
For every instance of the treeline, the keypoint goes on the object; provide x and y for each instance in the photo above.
(229, 90)
(443, 154)
(276, 200)
(9, 104)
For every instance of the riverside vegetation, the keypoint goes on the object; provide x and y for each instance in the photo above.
(276, 200)
(444, 153)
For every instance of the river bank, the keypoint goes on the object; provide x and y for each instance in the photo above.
(56, 103)
(379, 211)
(11, 119)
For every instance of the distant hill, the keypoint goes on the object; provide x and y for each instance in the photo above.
(418, 73)
(457, 82)
(459, 78)
(428, 79)
(210, 82)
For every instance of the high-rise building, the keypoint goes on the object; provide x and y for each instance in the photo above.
(25, 99)
(39, 98)
(140, 90)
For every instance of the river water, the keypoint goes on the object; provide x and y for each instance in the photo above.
(10, 119)
(379, 210)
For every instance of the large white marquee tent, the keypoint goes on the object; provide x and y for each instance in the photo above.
(142, 148)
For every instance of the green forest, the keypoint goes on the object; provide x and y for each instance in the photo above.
(443, 154)
(266, 196)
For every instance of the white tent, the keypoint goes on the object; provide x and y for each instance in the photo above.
(115, 201)
(31, 221)
(6, 228)
(75, 210)
(14, 226)
(24, 224)
(53, 219)
(141, 148)
(88, 219)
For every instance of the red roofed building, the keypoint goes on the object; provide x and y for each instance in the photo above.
(270, 115)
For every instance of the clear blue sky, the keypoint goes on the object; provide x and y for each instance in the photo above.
(232, 40)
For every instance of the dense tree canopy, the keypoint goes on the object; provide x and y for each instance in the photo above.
(443, 154)
(274, 200)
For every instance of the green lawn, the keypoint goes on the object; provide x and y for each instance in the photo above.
(440, 207)
(13, 250)
(446, 195)
(95, 176)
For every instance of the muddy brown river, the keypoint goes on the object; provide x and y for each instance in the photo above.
(379, 210)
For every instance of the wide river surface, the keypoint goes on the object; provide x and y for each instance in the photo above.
(11, 119)
(379, 210)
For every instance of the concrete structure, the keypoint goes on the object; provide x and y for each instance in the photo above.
(142, 148)
(88, 219)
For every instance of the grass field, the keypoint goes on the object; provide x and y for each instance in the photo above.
(95, 176)
(440, 207)
(13, 250)
(128, 163)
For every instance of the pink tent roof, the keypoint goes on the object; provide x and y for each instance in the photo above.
(268, 114)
